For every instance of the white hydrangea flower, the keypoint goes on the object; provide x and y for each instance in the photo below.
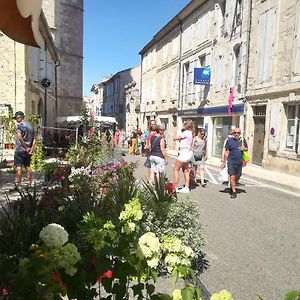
(153, 262)
(150, 248)
(176, 295)
(54, 235)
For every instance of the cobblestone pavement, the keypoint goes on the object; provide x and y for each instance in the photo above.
(253, 241)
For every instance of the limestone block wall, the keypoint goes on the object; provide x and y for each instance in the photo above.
(12, 73)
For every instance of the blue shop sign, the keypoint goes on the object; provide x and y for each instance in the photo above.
(202, 76)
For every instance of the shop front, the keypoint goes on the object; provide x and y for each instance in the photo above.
(216, 122)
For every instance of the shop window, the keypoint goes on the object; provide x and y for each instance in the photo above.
(221, 128)
(293, 120)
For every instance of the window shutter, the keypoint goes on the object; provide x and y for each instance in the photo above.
(35, 64)
(269, 42)
(261, 46)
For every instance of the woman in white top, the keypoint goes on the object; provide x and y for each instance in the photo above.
(185, 155)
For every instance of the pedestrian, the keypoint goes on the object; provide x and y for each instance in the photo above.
(133, 142)
(158, 157)
(234, 154)
(116, 138)
(122, 137)
(24, 147)
(151, 132)
(200, 155)
(185, 155)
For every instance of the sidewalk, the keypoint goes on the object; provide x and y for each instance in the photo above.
(280, 180)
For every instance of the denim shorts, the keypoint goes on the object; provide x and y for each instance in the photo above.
(22, 158)
(234, 169)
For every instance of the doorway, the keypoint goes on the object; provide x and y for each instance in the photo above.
(259, 118)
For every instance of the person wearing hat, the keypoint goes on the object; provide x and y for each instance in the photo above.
(23, 148)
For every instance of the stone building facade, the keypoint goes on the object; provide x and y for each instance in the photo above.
(273, 89)
(121, 96)
(212, 34)
(22, 70)
(65, 18)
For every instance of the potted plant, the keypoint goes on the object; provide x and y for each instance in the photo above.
(9, 127)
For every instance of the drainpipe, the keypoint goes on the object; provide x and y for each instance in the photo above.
(249, 26)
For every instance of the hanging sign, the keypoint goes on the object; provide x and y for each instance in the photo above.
(202, 76)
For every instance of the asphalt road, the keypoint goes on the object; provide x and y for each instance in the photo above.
(252, 242)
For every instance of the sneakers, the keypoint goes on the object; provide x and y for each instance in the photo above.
(184, 190)
(233, 195)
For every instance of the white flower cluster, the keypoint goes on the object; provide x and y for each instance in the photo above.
(177, 254)
(54, 235)
(79, 173)
(150, 248)
(130, 216)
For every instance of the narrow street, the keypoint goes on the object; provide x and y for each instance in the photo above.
(252, 242)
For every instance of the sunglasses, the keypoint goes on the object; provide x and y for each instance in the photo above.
(236, 132)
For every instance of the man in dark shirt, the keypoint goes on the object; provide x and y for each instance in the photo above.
(24, 147)
(234, 152)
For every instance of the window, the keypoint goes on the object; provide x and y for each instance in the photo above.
(163, 86)
(187, 81)
(175, 46)
(266, 41)
(292, 136)
(187, 38)
(238, 65)
(202, 28)
(165, 53)
(174, 83)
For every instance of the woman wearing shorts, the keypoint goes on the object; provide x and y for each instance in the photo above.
(185, 156)
(200, 154)
(158, 156)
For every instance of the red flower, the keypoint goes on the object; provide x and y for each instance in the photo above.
(107, 274)
(170, 187)
(93, 261)
(5, 292)
(57, 278)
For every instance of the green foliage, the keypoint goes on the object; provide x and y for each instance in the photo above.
(167, 215)
(37, 159)
(9, 125)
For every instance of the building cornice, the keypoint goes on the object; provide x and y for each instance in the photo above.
(177, 20)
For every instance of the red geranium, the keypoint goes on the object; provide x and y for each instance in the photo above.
(107, 274)
(171, 188)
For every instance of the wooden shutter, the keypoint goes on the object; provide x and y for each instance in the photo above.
(269, 44)
(35, 64)
(261, 46)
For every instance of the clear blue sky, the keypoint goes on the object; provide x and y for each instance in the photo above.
(116, 30)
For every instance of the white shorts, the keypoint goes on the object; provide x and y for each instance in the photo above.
(158, 164)
(185, 156)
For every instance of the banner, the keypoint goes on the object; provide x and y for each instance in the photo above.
(202, 76)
